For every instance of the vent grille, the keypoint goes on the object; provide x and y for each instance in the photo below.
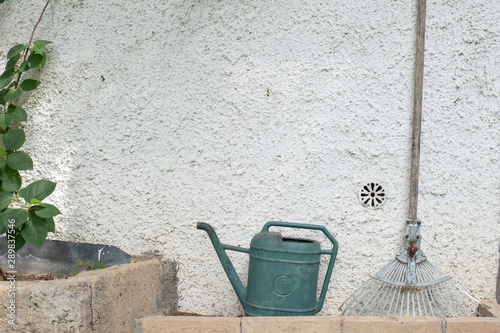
(372, 196)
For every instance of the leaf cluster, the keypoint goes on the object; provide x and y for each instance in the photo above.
(22, 211)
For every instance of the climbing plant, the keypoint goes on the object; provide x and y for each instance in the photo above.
(23, 215)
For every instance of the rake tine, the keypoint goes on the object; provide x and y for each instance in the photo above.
(438, 305)
(400, 291)
(365, 284)
(394, 273)
(387, 268)
(388, 293)
(463, 300)
(434, 295)
(452, 296)
(407, 303)
(458, 287)
(431, 305)
(445, 297)
(418, 303)
(353, 295)
(397, 275)
(367, 302)
(458, 293)
(390, 275)
(402, 301)
(423, 302)
(397, 290)
(437, 294)
(375, 298)
(366, 292)
(386, 289)
(419, 279)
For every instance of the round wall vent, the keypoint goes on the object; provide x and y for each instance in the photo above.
(372, 196)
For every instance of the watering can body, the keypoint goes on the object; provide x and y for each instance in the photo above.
(282, 272)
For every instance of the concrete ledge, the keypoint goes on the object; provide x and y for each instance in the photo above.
(474, 324)
(290, 324)
(318, 324)
(391, 324)
(106, 300)
(326, 324)
(160, 324)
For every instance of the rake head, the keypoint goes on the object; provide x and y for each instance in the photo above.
(410, 285)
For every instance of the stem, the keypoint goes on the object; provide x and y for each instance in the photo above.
(21, 202)
(31, 39)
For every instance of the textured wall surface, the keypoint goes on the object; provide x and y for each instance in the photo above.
(154, 115)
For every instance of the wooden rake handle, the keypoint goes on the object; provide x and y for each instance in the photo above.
(417, 109)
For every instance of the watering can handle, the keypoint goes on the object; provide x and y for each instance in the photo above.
(332, 252)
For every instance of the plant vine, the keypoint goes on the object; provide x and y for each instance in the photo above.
(23, 215)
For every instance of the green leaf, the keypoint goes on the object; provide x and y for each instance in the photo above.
(29, 84)
(5, 199)
(35, 202)
(20, 161)
(5, 120)
(12, 94)
(18, 113)
(20, 241)
(20, 216)
(35, 61)
(1, 1)
(35, 230)
(44, 60)
(38, 190)
(6, 77)
(11, 180)
(13, 139)
(15, 50)
(39, 46)
(47, 211)
(11, 63)
(51, 225)
(3, 162)
(23, 67)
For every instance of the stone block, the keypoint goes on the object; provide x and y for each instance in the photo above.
(318, 324)
(123, 293)
(472, 325)
(48, 306)
(182, 324)
(492, 311)
(371, 324)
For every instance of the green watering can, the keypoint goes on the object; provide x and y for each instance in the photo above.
(282, 273)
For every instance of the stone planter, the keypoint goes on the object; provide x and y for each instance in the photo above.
(106, 300)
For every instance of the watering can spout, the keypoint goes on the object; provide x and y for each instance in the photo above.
(220, 249)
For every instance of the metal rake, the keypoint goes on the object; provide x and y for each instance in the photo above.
(410, 285)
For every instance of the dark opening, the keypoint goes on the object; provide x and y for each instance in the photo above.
(297, 240)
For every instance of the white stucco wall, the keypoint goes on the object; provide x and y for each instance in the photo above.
(152, 116)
